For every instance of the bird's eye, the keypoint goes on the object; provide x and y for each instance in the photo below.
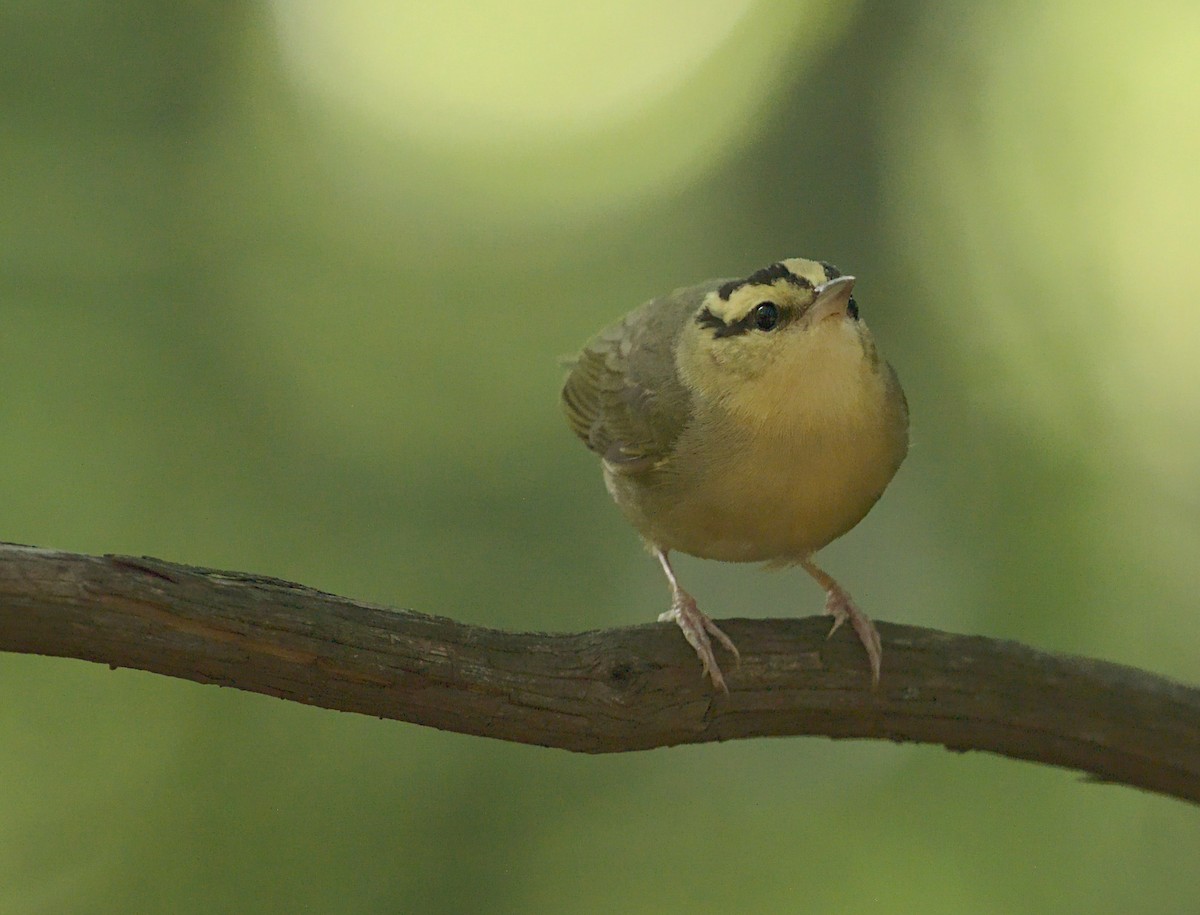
(852, 309)
(766, 315)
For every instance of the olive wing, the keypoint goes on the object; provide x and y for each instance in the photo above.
(623, 397)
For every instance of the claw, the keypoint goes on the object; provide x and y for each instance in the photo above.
(841, 607)
(697, 628)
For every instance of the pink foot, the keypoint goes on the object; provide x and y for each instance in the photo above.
(697, 628)
(839, 605)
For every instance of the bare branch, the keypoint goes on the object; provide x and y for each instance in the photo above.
(604, 691)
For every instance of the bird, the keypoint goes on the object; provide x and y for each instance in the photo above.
(743, 420)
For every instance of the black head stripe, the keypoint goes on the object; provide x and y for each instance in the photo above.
(721, 327)
(707, 319)
(744, 324)
(831, 272)
(764, 277)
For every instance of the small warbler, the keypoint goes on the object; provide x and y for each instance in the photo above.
(746, 420)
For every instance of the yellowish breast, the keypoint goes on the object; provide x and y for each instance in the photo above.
(781, 468)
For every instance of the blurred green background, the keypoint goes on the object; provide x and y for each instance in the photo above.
(282, 289)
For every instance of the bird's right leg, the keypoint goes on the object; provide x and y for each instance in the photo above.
(839, 605)
(697, 628)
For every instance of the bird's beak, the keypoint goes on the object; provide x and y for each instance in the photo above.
(833, 299)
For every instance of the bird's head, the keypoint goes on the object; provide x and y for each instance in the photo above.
(788, 331)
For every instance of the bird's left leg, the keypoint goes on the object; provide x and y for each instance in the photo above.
(841, 607)
(697, 628)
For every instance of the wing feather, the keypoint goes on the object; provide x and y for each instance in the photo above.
(623, 396)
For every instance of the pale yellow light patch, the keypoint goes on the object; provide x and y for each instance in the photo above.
(502, 72)
(1044, 193)
(486, 109)
(1056, 229)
